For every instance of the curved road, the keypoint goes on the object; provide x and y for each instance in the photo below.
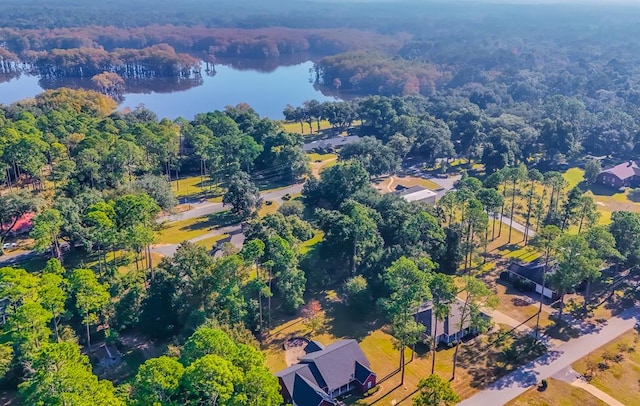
(554, 361)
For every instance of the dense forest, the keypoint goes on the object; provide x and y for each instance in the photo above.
(506, 102)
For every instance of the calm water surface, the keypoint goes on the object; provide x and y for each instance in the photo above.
(268, 91)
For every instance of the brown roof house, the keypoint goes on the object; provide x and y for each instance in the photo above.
(326, 373)
(623, 175)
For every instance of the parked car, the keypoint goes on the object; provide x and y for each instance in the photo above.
(9, 245)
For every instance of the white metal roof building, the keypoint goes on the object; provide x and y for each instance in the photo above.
(418, 194)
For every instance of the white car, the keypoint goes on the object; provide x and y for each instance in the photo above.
(9, 245)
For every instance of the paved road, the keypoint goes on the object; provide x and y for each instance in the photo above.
(9, 259)
(446, 184)
(207, 208)
(554, 361)
(517, 226)
(168, 250)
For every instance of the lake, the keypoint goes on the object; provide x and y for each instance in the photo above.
(266, 87)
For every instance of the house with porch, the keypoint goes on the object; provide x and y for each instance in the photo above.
(327, 373)
(449, 330)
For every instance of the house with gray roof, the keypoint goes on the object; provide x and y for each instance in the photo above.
(449, 330)
(326, 373)
(533, 273)
(330, 144)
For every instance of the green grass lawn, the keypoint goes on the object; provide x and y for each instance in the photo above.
(194, 186)
(268, 209)
(179, 231)
(558, 393)
(295, 127)
(573, 176)
(306, 246)
(322, 162)
(210, 242)
(315, 157)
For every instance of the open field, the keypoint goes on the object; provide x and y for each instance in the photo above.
(615, 368)
(210, 242)
(179, 231)
(573, 177)
(609, 201)
(558, 393)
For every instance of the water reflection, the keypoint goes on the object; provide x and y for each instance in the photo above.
(266, 65)
(7, 77)
(142, 85)
(267, 85)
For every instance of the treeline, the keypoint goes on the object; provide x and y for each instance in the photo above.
(551, 131)
(223, 42)
(151, 51)
(372, 73)
(145, 63)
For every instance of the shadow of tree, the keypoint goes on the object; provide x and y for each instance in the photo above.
(341, 321)
(507, 352)
(601, 190)
(215, 220)
(634, 195)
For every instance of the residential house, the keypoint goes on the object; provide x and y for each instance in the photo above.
(623, 175)
(326, 373)
(448, 330)
(22, 226)
(417, 194)
(330, 144)
(533, 273)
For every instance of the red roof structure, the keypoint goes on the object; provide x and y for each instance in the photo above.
(23, 225)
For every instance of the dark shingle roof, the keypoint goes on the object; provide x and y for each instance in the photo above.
(450, 325)
(313, 346)
(362, 372)
(334, 142)
(306, 392)
(336, 363)
(534, 271)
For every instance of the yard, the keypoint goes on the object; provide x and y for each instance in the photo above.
(609, 200)
(480, 361)
(195, 186)
(320, 162)
(294, 127)
(389, 184)
(558, 393)
(615, 368)
(179, 231)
